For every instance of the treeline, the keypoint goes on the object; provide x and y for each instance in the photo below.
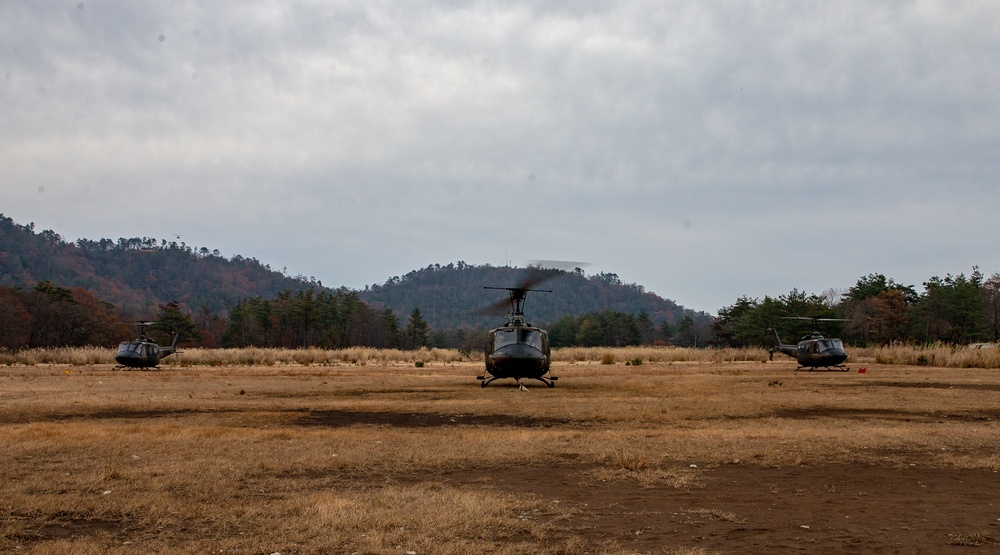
(323, 319)
(340, 320)
(609, 328)
(51, 316)
(876, 310)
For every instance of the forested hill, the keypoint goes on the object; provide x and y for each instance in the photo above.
(139, 274)
(449, 296)
(136, 274)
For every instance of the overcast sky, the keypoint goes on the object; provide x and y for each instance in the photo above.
(704, 150)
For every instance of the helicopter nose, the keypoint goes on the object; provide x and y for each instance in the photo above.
(518, 354)
(126, 359)
(835, 355)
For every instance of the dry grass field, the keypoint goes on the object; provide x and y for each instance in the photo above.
(378, 456)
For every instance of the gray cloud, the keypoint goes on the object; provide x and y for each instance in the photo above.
(705, 151)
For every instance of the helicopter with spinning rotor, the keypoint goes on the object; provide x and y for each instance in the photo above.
(813, 351)
(143, 352)
(517, 349)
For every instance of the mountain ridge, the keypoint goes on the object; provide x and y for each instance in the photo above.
(450, 296)
(138, 274)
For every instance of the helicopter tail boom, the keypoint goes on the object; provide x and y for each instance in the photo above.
(780, 347)
(164, 351)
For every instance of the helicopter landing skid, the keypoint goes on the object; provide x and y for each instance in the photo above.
(825, 368)
(550, 382)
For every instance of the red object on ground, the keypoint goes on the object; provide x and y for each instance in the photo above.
(862, 370)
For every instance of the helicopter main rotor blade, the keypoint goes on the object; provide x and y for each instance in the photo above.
(813, 319)
(535, 276)
(537, 272)
(498, 308)
(565, 265)
(543, 270)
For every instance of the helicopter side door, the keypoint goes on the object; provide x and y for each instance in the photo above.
(808, 353)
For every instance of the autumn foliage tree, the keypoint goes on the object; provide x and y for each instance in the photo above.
(53, 316)
(954, 309)
(877, 309)
(15, 321)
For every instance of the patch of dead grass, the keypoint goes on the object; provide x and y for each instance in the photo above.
(652, 477)
(716, 514)
(972, 539)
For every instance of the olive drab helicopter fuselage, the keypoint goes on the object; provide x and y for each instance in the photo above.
(813, 351)
(143, 352)
(517, 349)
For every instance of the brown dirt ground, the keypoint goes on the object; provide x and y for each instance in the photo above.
(832, 508)
(738, 508)
(748, 509)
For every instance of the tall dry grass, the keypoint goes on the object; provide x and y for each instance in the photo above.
(248, 356)
(74, 356)
(940, 355)
(621, 355)
(362, 356)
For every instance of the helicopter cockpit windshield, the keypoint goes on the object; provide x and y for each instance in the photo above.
(531, 338)
(826, 344)
(132, 348)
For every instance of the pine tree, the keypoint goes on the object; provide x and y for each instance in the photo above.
(172, 320)
(647, 329)
(390, 324)
(416, 334)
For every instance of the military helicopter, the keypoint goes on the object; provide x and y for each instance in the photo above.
(813, 351)
(143, 352)
(517, 349)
